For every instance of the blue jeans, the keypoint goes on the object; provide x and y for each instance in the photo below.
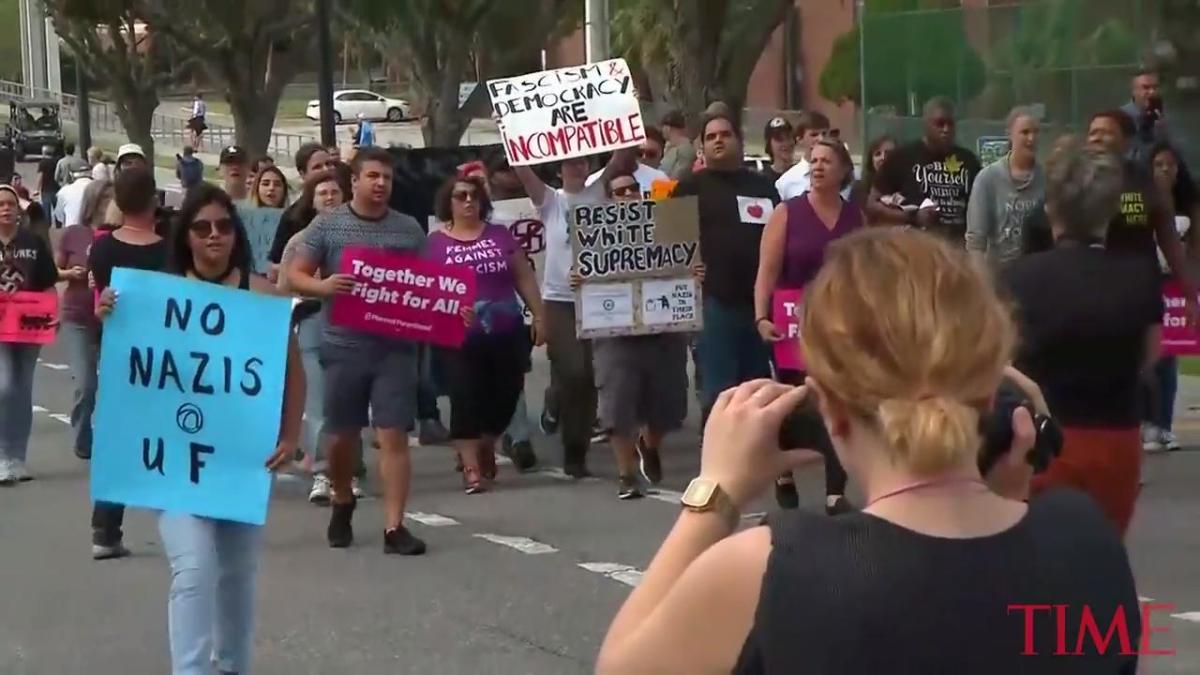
(82, 344)
(1160, 409)
(17, 363)
(729, 351)
(519, 429)
(210, 609)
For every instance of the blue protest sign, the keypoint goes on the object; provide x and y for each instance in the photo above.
(261, 223)
(190, 397)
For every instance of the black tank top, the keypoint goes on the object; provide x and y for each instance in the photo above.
(859, 595)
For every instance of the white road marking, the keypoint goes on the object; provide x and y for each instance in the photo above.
(56, 366)
(431, 519)
(630, 576)
(39, 409)
(65, 419)
(557, 474)
(1142, 598)
(523, 544)
(1187, 616)
(754, 516)
(664, 495)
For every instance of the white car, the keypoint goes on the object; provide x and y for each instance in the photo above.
(350, 103)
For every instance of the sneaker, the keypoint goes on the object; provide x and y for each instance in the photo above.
(649, 462)
(522, 455)
(402, 542)
(599, 435)
(1170, 441)
(83, 454)
(321, 491)
(1151, 438)
(785, 493)
(431, 432)
(19, 470)
(629, 488)
(7, 476)
(577, 470)
(356, 488)
(548, 423)
(341, 529)
(839, 506)
(102, 552)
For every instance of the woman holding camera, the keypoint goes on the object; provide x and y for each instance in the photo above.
(923, 578)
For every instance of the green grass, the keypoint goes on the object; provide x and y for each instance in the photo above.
(1189, 365)
(289, 108)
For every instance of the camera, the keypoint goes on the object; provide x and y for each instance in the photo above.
(996, 429)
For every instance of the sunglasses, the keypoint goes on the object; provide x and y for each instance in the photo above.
(626, 191)
(650, 154)
(464, 195)
(204, 228)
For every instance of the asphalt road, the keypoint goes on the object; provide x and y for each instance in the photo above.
(523, 580)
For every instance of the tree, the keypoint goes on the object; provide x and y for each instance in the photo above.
(446, 41)
(253, 48)
(694, 52)
(113, 47)
(910, 57)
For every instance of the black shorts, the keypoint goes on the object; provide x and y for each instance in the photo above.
(485, 378)
(197, 124)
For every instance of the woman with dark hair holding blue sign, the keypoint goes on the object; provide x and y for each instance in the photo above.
(213, 562)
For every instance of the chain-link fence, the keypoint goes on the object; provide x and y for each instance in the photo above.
(1065, 58)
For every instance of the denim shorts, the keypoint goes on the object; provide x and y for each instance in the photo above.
(369, 384)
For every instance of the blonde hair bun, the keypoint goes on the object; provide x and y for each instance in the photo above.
(931, 433)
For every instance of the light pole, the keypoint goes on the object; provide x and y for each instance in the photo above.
(596, 31)
(325, 74)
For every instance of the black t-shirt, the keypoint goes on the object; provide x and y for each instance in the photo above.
(46, 167)
(1133, 229)
(26, 263)
(108, 253)
(917, 173)
(1083, 314)
(292, 221)
(734, 208)
(859, 594)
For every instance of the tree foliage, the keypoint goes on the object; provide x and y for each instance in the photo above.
(444, 43)
(104, 36)
(694, 52)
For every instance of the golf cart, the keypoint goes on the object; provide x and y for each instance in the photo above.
(33, 125)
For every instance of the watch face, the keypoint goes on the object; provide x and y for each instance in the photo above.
(699, 493)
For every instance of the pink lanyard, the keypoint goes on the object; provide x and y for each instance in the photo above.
(936, 482)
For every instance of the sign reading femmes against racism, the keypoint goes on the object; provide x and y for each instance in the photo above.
(636, 259)
(404, 297)
(191, 393)
(570, 112)
(261, 223)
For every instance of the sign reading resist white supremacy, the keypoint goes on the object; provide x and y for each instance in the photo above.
(635, 260)
(570, 112)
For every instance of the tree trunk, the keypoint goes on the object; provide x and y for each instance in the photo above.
(135, 109)
(445, 122)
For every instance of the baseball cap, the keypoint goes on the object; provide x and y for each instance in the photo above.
(776, 125)
(130, 149)
(233, 154)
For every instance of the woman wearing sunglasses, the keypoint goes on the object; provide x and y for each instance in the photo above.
(486, 375)
(213, 562)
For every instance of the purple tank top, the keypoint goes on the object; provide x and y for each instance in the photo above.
(807, 237)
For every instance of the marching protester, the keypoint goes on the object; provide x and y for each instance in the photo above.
(363, 373)
(47, 185)
(487, 373)
(270, 188)
(735, 204)
(137, 245)
(1179, 197)
(877, 154)
(310, 158)
(1090, 324)
(214, 562)
(641, 382)
(131, 155)
(26, 264)
(233, 167)
(70, 166)
(900, 380)
(679, 153)
(791, 253)
(653, 147)
(812, 127)
(1006, 192)
(70, 198)
(645, 173)
(571, 372)
(927, 183)
(779, 142)
(80, 331)
(100, 169)
(189, 169)
(323, 192)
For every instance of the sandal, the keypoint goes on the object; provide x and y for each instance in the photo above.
(473, 483)
(487, 463)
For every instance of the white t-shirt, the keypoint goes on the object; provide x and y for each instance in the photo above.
(796, 181)
(70, 202)
(644, 175)
(556, 284)
(199, 108)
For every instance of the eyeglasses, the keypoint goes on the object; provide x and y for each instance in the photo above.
(204, 228)
(648, 153)
(626, 191)
(464, 195)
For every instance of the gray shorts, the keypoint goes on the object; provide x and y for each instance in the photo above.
(369, 383)
(641, 381)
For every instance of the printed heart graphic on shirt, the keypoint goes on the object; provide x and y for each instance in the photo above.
(755, 210)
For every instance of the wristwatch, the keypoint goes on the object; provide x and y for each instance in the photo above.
(703, 495)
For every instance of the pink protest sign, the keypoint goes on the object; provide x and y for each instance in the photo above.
(785, 314)
(1177, 338)
(29, 317)
(405, 297)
